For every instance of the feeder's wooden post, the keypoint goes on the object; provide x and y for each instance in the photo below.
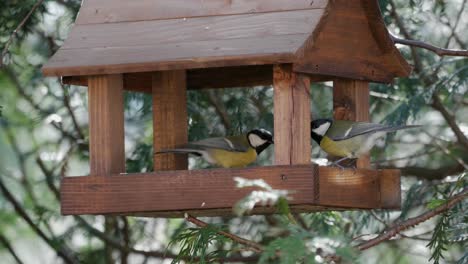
(291, 116)
(351, 102)
(169, 118)
(106, 124)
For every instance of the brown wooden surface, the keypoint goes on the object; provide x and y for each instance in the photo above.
(214, 189)
(224, 77)
(351, 41)
(291, 116)
(106, 125)
(169, 118)
(200, 42)
(350, 188)
(218, 77)
(390, 189)
(351, 102)
(191, 30)
(218, 53)
(110, 11)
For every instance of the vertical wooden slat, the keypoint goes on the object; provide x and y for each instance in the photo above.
(351, 102)
(169, 118)
(390, 189)
(291, 116)
(106, 124)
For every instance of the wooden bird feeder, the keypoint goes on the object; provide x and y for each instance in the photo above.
(165, 47)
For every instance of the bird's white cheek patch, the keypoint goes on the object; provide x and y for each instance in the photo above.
(322, 129)
(256, 141)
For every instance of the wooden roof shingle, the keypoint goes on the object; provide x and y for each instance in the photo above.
(318, 37)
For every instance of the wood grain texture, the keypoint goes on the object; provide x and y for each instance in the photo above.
(218, 77)
(351, 102)
(169, 118)
(202, 54)
(213, 190)
(111, 11)
(199, 42)
(347, 43)
(291, 116)
(390, 189)
(106, 125)
(177, 31)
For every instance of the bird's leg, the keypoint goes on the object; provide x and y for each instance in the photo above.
(337, 163)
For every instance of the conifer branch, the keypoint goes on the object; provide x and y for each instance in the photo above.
(399, 227)
(17, 29)
(252, 245)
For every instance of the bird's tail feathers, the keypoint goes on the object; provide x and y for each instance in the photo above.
(196, 152)
(396, 128)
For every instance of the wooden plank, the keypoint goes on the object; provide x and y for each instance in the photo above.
(169, 118)
(227, 212)
(218, 77)
(390, 189)
(347, 43)
(110, 11)
(177, 31)
(106, 125)
(214, 189)
(201, 54)
(292, 116)
(351, 102)
(359, 189)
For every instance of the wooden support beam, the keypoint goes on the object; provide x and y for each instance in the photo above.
(214, 191)
(225, 77)
(292, 116)
(169, 118)
(351, 102)
(106, 125)
(390, 189)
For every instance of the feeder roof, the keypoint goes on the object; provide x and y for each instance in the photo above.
(341, 38)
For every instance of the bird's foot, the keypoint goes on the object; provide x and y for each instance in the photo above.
(337, 163)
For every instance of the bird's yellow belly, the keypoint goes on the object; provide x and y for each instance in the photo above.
(228, 159)
(343, 148)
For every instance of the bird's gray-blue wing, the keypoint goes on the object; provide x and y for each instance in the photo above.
(219, 143)
(341, 130)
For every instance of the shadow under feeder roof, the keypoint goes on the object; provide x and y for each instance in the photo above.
(339, 38)
(164, 47)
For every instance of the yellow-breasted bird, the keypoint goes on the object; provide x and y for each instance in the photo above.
(348, 139)
(228, 152)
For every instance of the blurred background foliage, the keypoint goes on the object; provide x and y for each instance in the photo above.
(44, 136)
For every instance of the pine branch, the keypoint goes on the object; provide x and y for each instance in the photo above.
(397, 228)
(252, 245)
(437, 50)
(17, 29)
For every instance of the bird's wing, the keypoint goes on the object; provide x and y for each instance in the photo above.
(341, 130)
(235, 144)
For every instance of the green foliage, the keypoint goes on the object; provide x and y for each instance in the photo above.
(36, 124)
(288, 250)
(195, 244)
(439, 241)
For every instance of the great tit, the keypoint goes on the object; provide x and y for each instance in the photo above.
(228, 152)
(348, 139)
